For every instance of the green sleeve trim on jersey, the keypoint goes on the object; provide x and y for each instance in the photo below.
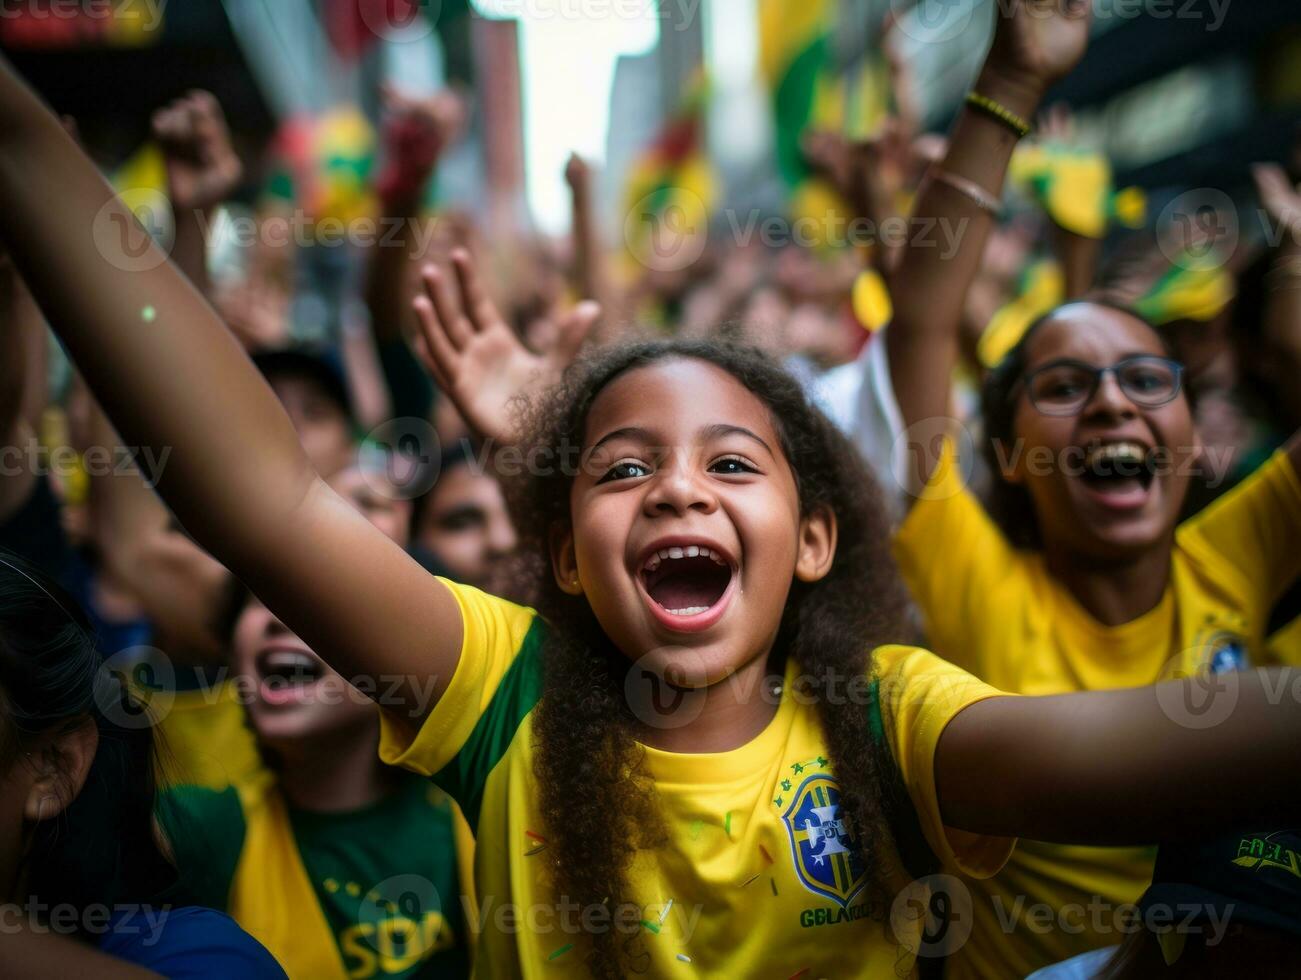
(918, 858)
(205, 829)
(465, 776)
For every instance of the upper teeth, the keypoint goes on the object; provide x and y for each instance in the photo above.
(1116, 450)
(288, 660)
(690, 551)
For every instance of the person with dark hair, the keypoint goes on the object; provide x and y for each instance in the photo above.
(700, 532)
(78, 852)
(310, 385)
(1079, 576)
(340, 865)
(460, 527)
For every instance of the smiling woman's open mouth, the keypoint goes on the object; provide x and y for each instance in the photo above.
(1119, 474)
(687, 585)
(286, 674)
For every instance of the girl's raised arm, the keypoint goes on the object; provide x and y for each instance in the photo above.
(172, 378)
(1035, 43)
(1182, 759)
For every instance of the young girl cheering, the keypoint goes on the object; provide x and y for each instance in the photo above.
(1086, 580)
(705, 529)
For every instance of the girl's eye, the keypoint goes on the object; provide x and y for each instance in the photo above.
(626, 470)
(731, 466)
(1145, 380)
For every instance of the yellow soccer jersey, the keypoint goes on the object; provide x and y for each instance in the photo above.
(996, 612)
(760, 876)
(205, 738)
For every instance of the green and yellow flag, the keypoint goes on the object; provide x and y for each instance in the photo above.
(673, 180)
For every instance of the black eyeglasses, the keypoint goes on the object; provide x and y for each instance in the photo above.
(1064, 387)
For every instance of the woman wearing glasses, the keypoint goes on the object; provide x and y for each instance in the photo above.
(1079, 575)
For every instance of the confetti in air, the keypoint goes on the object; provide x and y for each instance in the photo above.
(149, 314)
(534, 850)
(651, 926)
(665, 913)
(684, 958)
(766, 856)
(560, 952)
(773, 882)
(727, 824)
(537, 837)
(748, 880)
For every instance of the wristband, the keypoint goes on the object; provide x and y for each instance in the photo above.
(999, 112)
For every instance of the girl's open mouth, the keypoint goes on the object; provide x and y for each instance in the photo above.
(1119, 475)
(286, 676)
(688, 586)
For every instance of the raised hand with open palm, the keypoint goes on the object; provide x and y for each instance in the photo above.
(475, 356)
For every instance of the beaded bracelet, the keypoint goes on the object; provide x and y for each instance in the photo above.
(999, 112)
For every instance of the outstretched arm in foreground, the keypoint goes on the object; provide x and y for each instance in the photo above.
(171, 377)
(1181, 759)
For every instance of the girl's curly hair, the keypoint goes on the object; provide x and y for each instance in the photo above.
(596, 798)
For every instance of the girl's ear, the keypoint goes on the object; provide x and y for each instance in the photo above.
(817, 545)
(61, 764)
(564, 563)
